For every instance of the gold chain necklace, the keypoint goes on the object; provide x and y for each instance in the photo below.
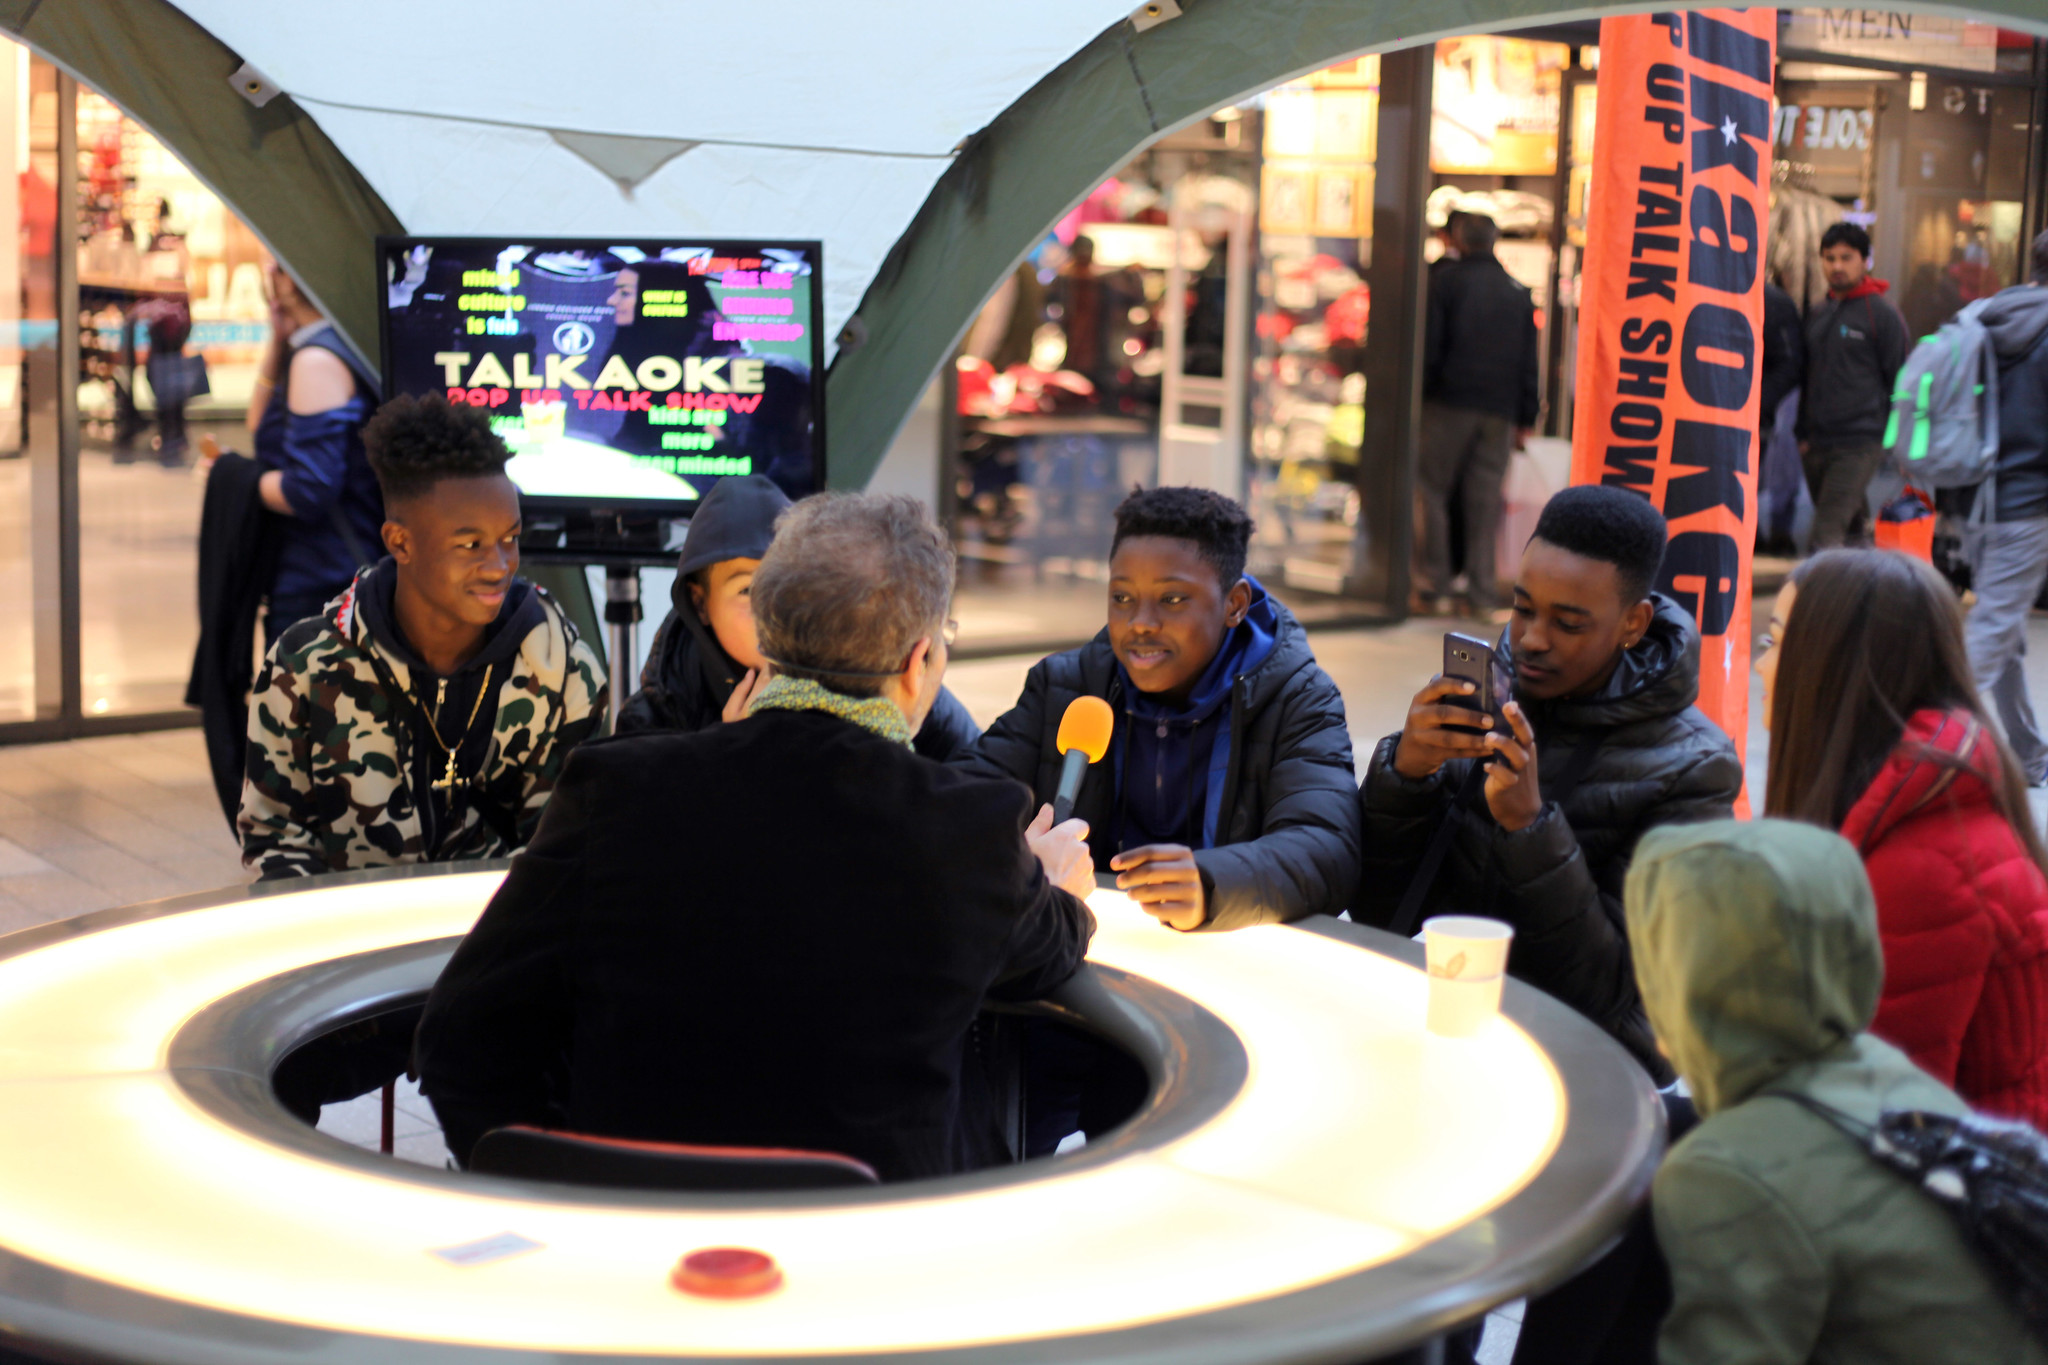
(449, 781)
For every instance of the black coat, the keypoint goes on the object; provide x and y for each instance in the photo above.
(770, 933)
(238, 540)
(1479, 344)
(1784, 367)
(688, 679)
(1659, 761)
(1854, 348)
(1287, 842)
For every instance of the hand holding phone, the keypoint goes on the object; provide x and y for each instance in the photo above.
(1472, 660)
(1451, 717)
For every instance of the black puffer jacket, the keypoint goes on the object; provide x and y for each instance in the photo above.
(1287, 841)
(688, 679)
(1659, 761)
(1479, 343)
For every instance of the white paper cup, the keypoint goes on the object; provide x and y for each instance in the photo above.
(1460, 1008)
(1468, 960)
(1465, 947)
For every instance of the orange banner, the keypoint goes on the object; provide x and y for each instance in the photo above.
(1671, 308)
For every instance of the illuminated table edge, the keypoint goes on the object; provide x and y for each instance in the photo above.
(1564, 1215)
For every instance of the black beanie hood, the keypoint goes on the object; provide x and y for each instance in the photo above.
(735, 521)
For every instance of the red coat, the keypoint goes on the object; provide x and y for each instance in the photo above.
(1963, 912)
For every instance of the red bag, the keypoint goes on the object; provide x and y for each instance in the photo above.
(1907, 525)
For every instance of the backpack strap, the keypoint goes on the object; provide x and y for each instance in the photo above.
(1432, 862)
(1855, 1128)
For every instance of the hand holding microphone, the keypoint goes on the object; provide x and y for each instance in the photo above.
(1084, 736)
(1060, 841)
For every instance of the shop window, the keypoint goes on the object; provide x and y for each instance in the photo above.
(171, 296)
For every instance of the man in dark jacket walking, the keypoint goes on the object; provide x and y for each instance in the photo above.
(706, 665)
(2008, 550)
(1480, 400)
(1855, 343)
(1605, 676)
(776, 932)
(1226, 799)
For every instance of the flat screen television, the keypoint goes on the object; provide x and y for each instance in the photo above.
(623, 375)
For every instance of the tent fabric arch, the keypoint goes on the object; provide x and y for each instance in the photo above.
(928, 144)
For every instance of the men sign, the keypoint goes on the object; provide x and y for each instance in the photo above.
(1670, 323)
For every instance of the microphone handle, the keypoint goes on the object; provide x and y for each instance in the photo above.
(1072, 765)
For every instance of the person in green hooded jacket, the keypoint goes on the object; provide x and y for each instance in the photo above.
(1757, 954)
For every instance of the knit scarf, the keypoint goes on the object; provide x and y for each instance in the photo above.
(878, 714)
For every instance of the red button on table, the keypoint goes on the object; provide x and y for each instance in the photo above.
(727, 1273)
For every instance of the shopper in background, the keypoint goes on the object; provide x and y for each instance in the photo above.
(175, 378)
(309, 445)
(1757, 948)
(1877, 731)
(1855, 343)
(1447, 239)
(1784, 367)
(2007, 550)
(1480, 401)
(705, 664)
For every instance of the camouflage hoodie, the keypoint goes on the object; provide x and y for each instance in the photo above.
(1757, 952)
(331, 775)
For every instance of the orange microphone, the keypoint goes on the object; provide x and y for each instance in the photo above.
(1083, 739)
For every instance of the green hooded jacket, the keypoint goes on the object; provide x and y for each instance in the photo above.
(1757, 953)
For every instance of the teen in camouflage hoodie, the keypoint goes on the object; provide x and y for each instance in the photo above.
(336, 766)
(425, 714)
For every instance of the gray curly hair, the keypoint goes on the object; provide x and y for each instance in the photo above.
(850, 584)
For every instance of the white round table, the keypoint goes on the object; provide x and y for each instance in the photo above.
(1314, 1175)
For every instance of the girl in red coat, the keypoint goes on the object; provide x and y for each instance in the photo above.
(1877, 731)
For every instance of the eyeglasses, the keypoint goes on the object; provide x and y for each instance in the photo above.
(949, 632)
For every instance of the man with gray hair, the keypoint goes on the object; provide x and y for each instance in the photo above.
(777, 932)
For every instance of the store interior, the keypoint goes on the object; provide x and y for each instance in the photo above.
(1207, 309)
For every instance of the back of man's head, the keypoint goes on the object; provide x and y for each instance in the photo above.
(415, 443)
(1477, 234)
(1610, 525)
(1217, 526)
(850, 584)
(2040, 255)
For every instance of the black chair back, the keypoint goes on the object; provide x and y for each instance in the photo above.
(622, 1163)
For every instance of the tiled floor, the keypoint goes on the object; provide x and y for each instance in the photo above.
(102, 822)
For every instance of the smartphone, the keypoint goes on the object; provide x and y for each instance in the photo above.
(1474, 661)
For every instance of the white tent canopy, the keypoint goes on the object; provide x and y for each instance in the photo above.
(781, 118)
(927, 145)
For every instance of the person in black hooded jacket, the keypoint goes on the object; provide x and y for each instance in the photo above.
(705, 664)
(1249, 815)
(1601, 743)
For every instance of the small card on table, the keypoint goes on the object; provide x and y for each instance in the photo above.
(487, 1249)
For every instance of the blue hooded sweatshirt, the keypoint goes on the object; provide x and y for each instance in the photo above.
(1174, 761)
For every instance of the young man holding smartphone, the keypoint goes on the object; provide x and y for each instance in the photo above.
(1548, 792)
